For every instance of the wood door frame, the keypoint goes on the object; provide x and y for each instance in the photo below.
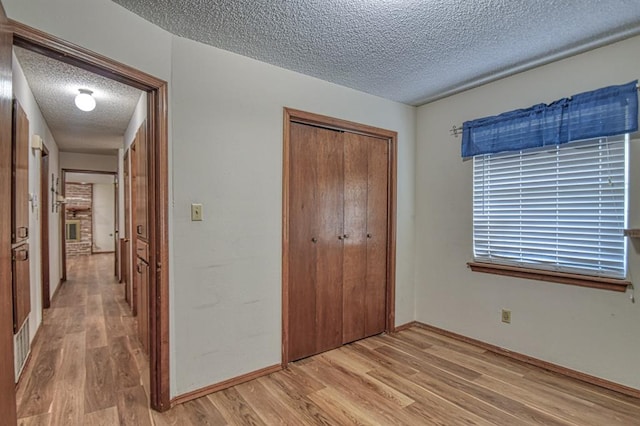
(157, 132)
(293, 115)
(44, 229)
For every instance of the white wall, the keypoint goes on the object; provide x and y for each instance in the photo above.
(93, 162)
(589, 330)
(38, 126)
(226, 143)
(227, 138)
(101, 26)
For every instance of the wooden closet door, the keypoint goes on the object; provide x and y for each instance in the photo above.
(377, 236)
(315, 240)
(356, 176)
(365, 244)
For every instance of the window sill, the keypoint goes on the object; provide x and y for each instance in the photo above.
(556, 277)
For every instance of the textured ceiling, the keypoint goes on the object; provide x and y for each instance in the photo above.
(410, 51)
(55, 84)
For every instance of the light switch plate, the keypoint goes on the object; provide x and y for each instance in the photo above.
(196, 212)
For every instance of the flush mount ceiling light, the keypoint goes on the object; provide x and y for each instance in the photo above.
(85, 101)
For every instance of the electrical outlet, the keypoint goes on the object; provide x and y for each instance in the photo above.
(196, 212)
(506, 316)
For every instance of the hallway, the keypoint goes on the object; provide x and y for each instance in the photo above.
(86, 366)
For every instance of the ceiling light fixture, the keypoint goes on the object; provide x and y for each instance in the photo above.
(85, 101)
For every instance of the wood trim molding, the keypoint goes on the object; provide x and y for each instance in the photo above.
(158, 105)
(298, 116)
(336, 123)
(587, 378)
(551, 276)
(286, 159)
(406, 326)
(224, 385)
(157, 119)
(70, 53)
(95, 172)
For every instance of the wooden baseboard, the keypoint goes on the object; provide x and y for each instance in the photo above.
(626, 390)
(224, 385)
(405, 326)
(55, 292)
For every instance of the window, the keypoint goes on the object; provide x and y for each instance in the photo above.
(559, 208)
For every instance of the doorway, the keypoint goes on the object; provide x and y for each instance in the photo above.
(339, 199)
(89, 214)
(34, 40)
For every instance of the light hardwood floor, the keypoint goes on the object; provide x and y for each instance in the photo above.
(87, 368)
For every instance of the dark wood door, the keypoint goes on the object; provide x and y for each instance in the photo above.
(132, 214)
(20, 174)
(126, 255)
(315, 239)
(338, 230)
(142, 272)
(377, 236)
(366, 163)
(21, 286)
(7, 379)
(142, 179)
(44, 228)
(355, 244)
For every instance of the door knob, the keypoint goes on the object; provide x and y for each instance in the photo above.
(314, 240)
(368, 235)
(346, 236)
(340, 237)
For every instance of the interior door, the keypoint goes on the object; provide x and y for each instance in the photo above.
(103, 212)
(21, 286)
(315, 237)
(356, 183)
(133, 211)
(377, 236)
(20, 174)
(44, 227)
(126, 255)
(7, 379)
(365, 245)
(142, 179)
(142, 270)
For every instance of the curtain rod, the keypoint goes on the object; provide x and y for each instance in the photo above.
(457, 130)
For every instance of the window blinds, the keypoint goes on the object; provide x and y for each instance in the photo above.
(560, 208)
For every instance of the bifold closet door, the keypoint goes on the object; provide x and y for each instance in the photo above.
(316, 211)
(365, 236)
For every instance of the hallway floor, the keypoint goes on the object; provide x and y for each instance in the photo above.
(87, 366)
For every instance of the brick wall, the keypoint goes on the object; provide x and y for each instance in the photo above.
(79, 196)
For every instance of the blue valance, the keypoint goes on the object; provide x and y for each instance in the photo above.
(604, 112)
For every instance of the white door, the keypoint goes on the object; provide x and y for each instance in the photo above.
(103, 217)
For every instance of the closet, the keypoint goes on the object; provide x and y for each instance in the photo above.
(338, 230)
